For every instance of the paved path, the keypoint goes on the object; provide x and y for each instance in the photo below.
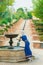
(38, 53)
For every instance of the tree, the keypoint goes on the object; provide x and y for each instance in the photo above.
(38, 8)
(4, 11)
(29, 15)
(20, 9)
(20, 13)
(4, 4)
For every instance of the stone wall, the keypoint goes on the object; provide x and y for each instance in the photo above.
(11, 55)
(2, 40)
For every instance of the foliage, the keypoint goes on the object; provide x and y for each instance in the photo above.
(39, 28)
(6, 18)
(5, 14)
(20, 13)
(20, 9)
(4, 4)
(1, 32)
(38, 8)
(29, 15)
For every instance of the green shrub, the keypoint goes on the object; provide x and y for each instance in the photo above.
(1, 32)
(6, 29)
(9, 19)
(7, 26)
(29, 15)
(41, 37)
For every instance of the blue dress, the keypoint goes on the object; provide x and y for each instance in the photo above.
(27, 49)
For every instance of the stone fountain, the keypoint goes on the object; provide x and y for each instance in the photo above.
(11, 53)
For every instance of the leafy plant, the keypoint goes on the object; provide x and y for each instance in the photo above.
(38, 8)
(1, 32)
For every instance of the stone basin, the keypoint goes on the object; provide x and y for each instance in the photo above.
(11, 35)
(15, 48)
(11, 55)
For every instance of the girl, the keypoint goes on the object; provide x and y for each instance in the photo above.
(27, 49)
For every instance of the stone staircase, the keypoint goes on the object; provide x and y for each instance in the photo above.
(35, 37)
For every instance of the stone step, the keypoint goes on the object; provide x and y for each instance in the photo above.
(11, 59)
(8, 61)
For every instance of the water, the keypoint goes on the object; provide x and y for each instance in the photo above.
(11, 48)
